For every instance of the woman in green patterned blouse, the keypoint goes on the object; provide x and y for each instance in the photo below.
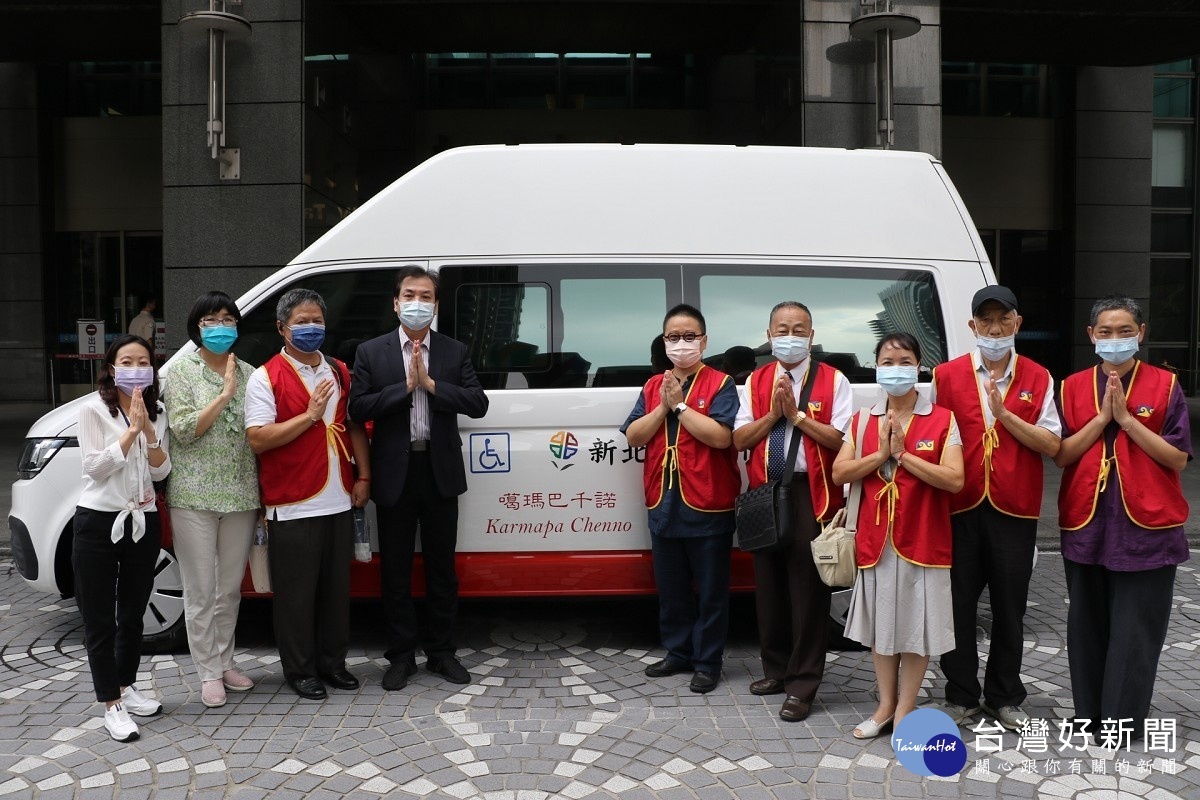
(213, 493)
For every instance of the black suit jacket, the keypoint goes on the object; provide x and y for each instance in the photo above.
(379, 393)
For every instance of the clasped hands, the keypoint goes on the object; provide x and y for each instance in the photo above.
(418, 375)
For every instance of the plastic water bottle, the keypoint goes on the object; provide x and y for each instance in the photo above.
(362, 536)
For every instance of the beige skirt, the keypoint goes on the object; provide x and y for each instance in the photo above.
(899, 607)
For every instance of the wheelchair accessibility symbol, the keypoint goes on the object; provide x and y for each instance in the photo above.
(489, 453)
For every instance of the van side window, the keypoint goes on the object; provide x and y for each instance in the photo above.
(852, 308)
(360, 308)
(549, 326)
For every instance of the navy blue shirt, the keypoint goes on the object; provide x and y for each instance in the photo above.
(673, 517)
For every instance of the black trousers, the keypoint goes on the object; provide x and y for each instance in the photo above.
(438, 518)
(112, 586)
(793, 606)
(1116, 627)
(310, 575)
(994, 550)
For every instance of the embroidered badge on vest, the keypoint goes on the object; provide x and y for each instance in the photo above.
(814, 407)
(925, 445)
(1145, 411)
(1027, 395)
(700, 403)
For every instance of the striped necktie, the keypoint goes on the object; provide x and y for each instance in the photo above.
(776, 455)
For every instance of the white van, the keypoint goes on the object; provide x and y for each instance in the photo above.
(557, 264)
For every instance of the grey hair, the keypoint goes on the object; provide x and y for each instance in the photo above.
(1116, 302)
(790, 304)
(297, 297)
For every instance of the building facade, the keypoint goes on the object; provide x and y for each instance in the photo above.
(1071, 137)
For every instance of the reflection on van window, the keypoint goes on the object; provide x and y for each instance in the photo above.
(558, 326)
(851, 309)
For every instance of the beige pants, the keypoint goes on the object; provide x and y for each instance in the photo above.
(212, 549)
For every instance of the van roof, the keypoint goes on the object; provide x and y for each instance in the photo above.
(633, 200)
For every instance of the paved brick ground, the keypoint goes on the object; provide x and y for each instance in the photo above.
(558, 707)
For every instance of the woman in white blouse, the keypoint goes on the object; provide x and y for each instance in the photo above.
(123, 437)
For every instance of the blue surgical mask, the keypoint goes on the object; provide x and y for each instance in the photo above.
(789, 349)
(416, 315)
(896, 381)
(219, 339)
(1117, 351)
(129, 379)
(995, 348)
(308, 337)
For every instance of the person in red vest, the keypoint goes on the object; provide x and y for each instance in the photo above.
(684, 418)
(792, 602)
(1126, 438)
(911, 465)
(1004, 406)
(297, 425)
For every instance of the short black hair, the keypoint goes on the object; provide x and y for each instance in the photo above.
(209, 303)
(413, 271)
(685, 310)
(905, 341)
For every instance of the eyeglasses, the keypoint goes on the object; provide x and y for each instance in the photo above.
(674, 338)
(213, 322)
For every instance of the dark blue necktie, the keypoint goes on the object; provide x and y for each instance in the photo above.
(776, 455)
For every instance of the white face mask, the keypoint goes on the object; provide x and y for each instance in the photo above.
(789, 349)
(896, 381)
(996, 348)
(684, 354)
(416, 315)
(1117, 351)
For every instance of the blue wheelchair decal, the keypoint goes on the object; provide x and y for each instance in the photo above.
(490, 453)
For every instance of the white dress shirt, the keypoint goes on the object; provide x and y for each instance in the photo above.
(418, 419)
(260, 410)
(113, 480)
(1047, 417)
(843, 405)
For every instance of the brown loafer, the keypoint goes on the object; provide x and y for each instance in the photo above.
(765, 686)
(794, 709)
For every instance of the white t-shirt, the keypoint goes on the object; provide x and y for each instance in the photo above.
(260, 410)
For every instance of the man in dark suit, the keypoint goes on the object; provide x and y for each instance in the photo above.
(413, 383)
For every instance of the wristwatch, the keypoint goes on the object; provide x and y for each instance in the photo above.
(680, 408)
(800, 417)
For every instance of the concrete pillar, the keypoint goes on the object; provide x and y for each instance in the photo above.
(839, 79)
(1114, 116)
(22, 351)
(228, 235)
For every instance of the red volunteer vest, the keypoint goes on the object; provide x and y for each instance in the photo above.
(708, 478)
(997, 466)
(921, 527)
(1152, 493)
(827, 496)
(299, 470)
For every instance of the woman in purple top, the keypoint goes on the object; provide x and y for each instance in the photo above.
(1126, 438)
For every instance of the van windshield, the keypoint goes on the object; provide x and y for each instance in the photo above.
(573, 325)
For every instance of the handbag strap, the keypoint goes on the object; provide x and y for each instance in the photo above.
(864, 414)
(805, 392)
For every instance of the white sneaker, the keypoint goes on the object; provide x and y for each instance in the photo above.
(119, 724)
(137, 703)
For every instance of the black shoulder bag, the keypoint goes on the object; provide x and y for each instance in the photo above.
(766, 515)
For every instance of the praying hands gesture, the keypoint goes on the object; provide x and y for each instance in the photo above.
(418, 375)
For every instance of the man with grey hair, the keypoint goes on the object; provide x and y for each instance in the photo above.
(297, 424)
(1126, 438)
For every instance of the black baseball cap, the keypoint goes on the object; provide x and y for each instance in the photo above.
(1001, 294)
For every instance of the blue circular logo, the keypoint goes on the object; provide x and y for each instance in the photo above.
(927, 743)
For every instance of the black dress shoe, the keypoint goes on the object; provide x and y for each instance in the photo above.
(703, 682)
(661, 669)
(764, 686)
(308, 688)
(341, 679)
(448, 668)
(794, 709)
(397, 675)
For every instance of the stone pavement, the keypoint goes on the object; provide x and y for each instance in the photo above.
(558, 707)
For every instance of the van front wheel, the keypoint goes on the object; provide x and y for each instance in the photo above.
(163, 628)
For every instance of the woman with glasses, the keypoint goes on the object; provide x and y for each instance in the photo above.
(213, 494)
